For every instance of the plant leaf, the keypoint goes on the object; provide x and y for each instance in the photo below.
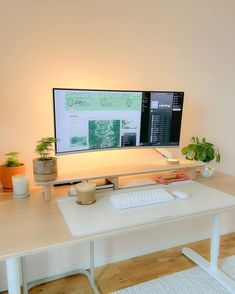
(201, 156)
(184, 150)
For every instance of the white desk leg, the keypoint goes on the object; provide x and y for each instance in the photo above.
(215, 242)
(13, 275)
(211, 267)
(24, 275)
(92, 268)
(92, 261)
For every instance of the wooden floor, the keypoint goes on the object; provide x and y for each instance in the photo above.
(135, 270)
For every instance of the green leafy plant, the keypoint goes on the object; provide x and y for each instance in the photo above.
(12, 159)
(201, 150)
(44, 147)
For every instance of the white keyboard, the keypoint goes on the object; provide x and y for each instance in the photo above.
(140, 198)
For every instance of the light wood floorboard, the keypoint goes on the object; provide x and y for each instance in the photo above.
(135, 270)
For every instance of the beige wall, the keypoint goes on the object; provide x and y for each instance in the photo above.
(183, 45)
(125, 44)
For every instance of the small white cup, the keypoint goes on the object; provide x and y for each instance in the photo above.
(207, 171)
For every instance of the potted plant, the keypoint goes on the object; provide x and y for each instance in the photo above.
(201, 150)
(11, 167)
(45, 167)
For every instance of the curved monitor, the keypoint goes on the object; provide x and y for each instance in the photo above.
(87, 120)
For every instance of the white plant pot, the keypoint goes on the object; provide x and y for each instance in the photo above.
(207, 171)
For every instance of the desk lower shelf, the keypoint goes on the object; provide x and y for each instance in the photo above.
(114, 173)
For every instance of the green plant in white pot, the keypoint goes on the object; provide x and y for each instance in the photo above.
(201, 150)
(45, 167)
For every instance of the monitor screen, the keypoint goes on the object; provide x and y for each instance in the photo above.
(104, 119)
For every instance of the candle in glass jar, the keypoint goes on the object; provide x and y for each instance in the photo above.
(20, 186)
(86, 193)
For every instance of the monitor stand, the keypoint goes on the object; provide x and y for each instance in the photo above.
(167, 155)
(164, 153)
(115, 173)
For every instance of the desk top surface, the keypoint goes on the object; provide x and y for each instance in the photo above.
(33, 225)
(102, 219)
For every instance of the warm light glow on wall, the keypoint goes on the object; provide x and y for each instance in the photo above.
(115, 45)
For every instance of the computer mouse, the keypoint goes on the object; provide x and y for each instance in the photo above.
(180, 194)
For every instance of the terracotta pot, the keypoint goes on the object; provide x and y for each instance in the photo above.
(45, 170)
(6, 173)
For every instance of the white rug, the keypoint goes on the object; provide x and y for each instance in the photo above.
(191, 281)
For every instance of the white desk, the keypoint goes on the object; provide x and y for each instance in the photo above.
(38, 226)
(101, 220)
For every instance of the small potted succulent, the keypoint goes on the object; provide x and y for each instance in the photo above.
(11, 167)
(201, 150)
(45, 167)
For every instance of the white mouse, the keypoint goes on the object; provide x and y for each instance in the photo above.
(180, 194)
